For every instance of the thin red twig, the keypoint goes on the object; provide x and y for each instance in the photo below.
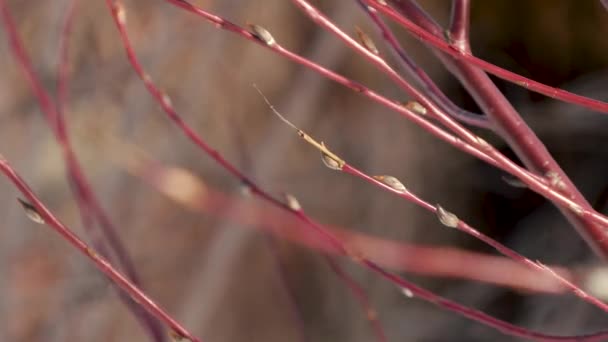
(361, 296)
(108, 242)
(100, 262)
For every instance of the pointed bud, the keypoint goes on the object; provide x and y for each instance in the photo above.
(367, 42)
(407, 292)
(392, 183)
(416, 107)
(31, 212)
(166, 100)
(262, 34)
(245, 190)
(514, 181)
(448, 37)
(330, 162)
(447, 218)
(292, 202)
(121, 15)
(483, 144)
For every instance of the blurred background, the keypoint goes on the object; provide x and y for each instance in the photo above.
(226, 281)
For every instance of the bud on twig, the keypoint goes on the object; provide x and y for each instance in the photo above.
(367, 42)
(514, 181)
(416, 107)
(245, 190)
(447, 218)
(330, 159)
(330, 162)
(407, 292)
(121, 14)
(292, 202)
(392, 183)
(31, 212)
(262, 34)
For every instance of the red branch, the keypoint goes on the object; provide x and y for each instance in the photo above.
(138, 296)
(107, 243)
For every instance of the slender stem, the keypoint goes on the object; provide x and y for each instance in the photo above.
(361, 296)
(108, 242)
(460, 24)
(502, 326)
(281, 271)
(100, 262)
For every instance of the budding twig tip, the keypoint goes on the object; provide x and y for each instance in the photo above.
(330, 159)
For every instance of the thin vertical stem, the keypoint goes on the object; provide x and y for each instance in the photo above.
(460, 24)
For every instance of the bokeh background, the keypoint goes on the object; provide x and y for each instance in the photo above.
(227, 282)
